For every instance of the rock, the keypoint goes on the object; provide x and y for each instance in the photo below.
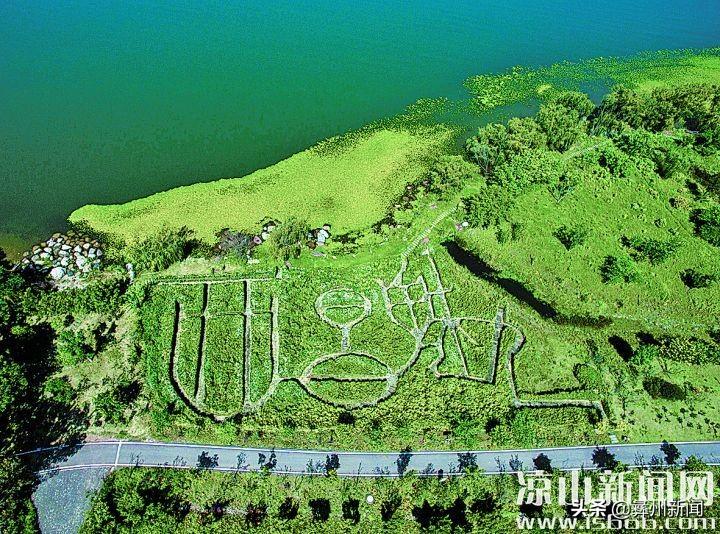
(99, 253)
(66, 247)
(56, 235)
(57, 273)
(50, 242)
(44, 255)
(86, 246)
(264, 236)
(92, 251)
(48, 250)
(64, 262)
(77, 248)
(81, 261)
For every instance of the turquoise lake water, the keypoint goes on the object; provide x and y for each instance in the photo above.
(106, 101)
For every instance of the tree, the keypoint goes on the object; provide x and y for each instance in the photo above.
(604, 459)
(671, 452)
(332, 464)
(542, 463)
(623, 105)
(562, 126)
(588, 376)
(576, 101)
(403, 461)
(658, 388)
(389, 506)
(467, 462)
(693, 463)
(288, 240)
(489, 148)
(488, 207)
(707, 224)
(267, 463)
(17, 513)
(449, 173)
(616, 269)
(570, 237)
(524, 135)
(205, 461)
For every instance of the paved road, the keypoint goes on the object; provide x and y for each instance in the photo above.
(73, 473)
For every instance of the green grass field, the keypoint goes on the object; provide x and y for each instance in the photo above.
(350, 188)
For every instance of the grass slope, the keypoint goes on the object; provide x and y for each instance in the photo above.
(349, 188)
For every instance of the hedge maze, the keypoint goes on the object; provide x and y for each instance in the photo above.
(223, 346)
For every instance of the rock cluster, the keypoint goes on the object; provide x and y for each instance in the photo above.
(64, 256)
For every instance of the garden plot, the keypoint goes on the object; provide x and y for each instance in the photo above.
(346, 339)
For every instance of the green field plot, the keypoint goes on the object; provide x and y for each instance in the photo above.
(260, 372)
(222, 389)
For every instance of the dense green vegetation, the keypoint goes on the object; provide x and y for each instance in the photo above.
(203, 501)
(349, 187)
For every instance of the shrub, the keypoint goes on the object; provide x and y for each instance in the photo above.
(588, 376)
(690, 350)
(617, 269)
(570, 236)
(71, 349)
(707, 224)
(449, 173)
(160, 251)
(237, 243)
(288, 239)
(653, 250)
(696, 280)
(643, 358)
(658, 388)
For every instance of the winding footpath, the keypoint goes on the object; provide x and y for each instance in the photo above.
(69, 475)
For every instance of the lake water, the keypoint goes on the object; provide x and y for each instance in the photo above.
(106, 101)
